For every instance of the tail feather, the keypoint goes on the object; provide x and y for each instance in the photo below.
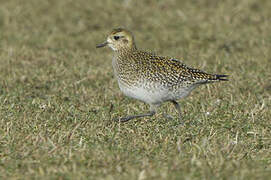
(221, 77)
(211, 78)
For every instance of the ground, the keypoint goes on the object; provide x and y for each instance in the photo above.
(58, 93)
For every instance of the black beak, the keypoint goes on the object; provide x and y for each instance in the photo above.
(101, 45)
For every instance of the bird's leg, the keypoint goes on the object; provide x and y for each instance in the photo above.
(177, 107)
(128, 118)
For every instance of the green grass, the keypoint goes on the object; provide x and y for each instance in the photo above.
(58, 93)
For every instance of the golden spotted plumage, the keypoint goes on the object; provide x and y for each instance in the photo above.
(134, 65)
(151, 78)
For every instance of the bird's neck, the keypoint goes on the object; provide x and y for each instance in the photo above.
(125, 52)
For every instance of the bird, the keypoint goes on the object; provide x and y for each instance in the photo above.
(151, 78)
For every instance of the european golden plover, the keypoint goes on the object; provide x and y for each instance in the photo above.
(151, 78)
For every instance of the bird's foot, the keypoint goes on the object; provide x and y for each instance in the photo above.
(123, 119)
(128, 118)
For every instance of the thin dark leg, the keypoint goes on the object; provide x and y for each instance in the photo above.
(177, 107)
(150, 113)
(128, 118)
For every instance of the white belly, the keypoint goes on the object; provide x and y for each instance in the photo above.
(154, 95)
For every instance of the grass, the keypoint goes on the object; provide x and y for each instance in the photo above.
(58, 93)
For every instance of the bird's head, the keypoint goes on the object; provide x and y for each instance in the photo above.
(119, 39)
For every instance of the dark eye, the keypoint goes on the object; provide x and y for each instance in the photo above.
(116, 37)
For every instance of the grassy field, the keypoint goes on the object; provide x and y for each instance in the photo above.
(58, 93)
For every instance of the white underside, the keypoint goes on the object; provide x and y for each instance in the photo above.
(156, 95)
